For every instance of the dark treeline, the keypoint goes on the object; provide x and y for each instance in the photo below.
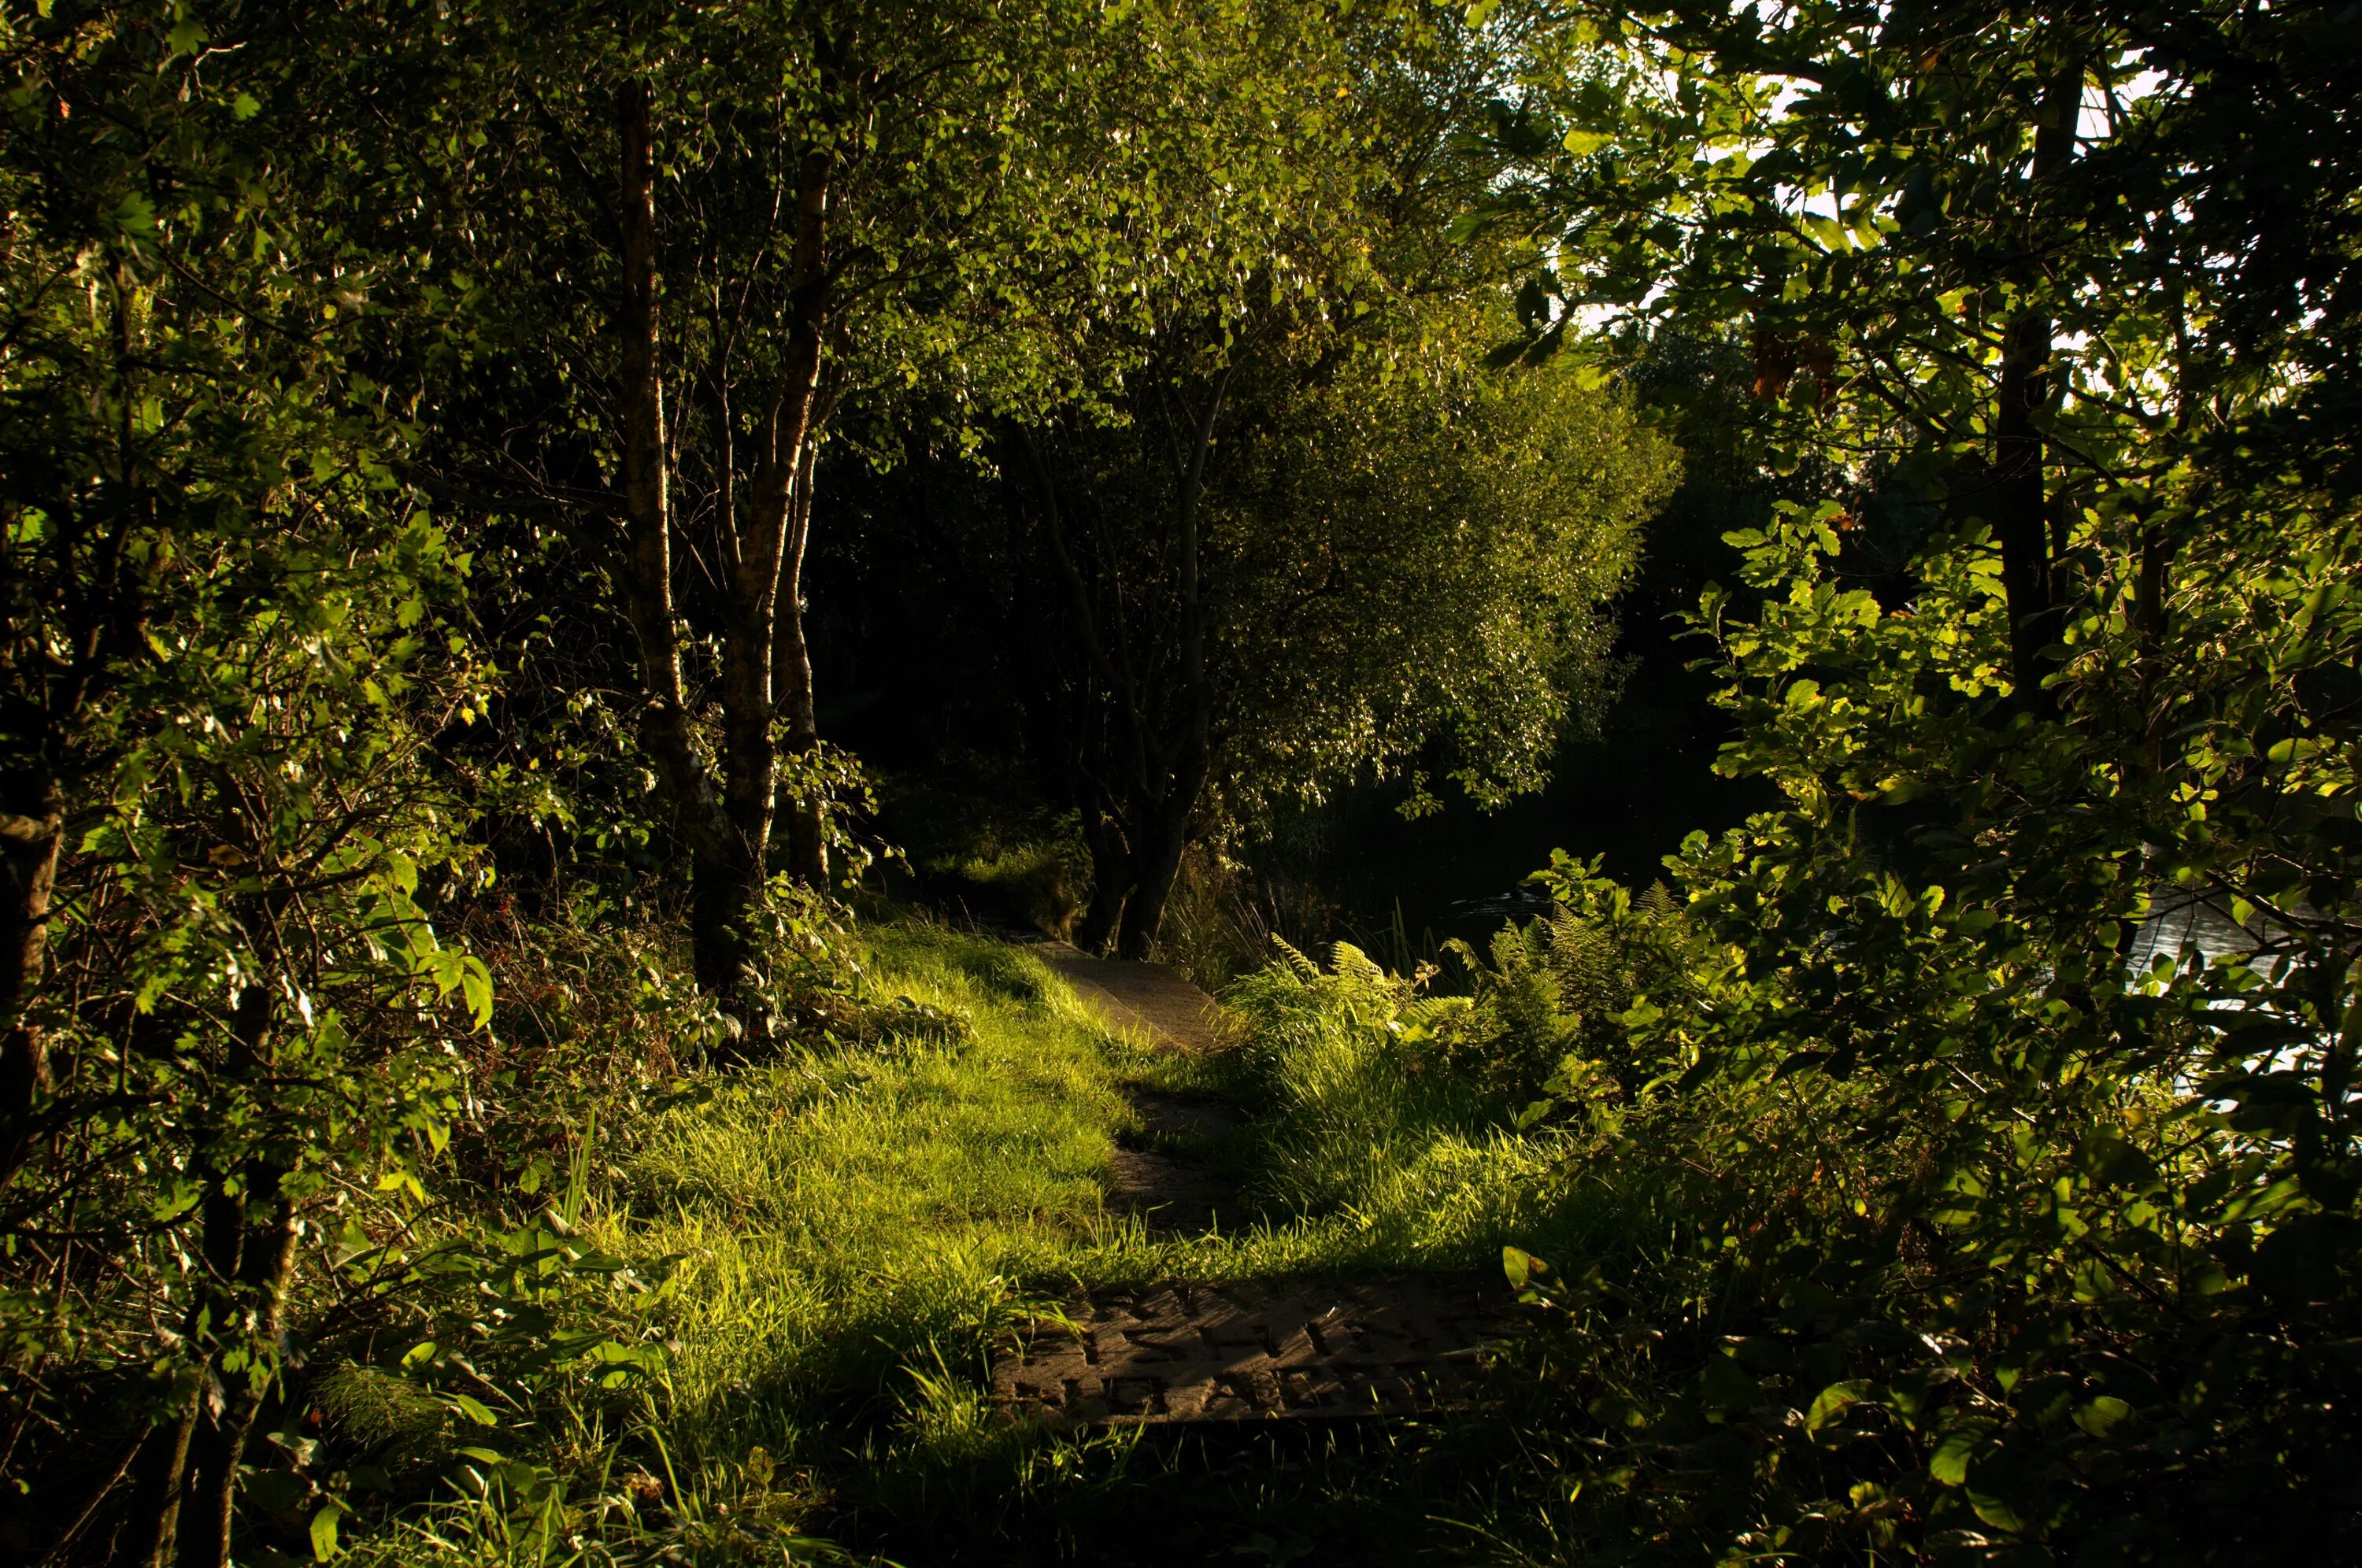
(513, 517)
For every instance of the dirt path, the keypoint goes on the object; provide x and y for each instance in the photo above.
(1243, 1351)
(1165, 1178)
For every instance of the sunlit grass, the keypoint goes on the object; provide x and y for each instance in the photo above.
(848, 1229)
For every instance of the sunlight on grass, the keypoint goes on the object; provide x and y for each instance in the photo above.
(848, 1229)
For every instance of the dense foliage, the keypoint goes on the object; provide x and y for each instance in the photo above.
(2011, 1186)
(450, 1109)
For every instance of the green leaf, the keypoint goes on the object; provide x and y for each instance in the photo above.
(1834, 1401)
(475, 985)
(1727, 1385)
(323, 1531)
(2103, 1416)
(2113, 1161)
(473, 1408)
(1950, 1463)
(1521, 1267)
(1996, 1512)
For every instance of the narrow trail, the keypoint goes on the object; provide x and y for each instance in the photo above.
(1249, 1350)
(1168, 1183)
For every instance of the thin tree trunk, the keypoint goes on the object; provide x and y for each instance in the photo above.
(1162, 832)
(807, 838)
(1111, 882)
(160, 1517)
(247, 1245)
(161, 1491)
(31, 833)
(2023, 520)
(766, 618)
(2020, 506)
(1114, 871)
(1158, 863)
(267, 1257)
(2153, 620)
(719, 873)
(1115, 674)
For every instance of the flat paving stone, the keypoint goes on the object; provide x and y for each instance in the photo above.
(1297, 1350)
(1156, 1001)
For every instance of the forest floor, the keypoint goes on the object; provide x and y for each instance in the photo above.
(852, 1238)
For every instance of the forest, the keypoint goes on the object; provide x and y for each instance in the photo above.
(724, 724)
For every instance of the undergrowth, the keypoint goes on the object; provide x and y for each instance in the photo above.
(817, 1255)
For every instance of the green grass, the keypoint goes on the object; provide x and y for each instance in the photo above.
(849, 1230)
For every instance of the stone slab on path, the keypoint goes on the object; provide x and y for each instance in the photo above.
(1154, 999)
(1291, 1349)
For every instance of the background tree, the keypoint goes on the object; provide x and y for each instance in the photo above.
(818, 210)
(1219, 559)
(1986, 250)
(1411, 559)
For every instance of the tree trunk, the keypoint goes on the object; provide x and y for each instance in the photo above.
(1163, 775)
(1159, 863)
(185, 1492)
(1162, 832)
(31, 832)
(2023, 514)
(161, 1529)
(267, 1257)
(2021, 507)
(1111, 882)
(807, 840)
(729, 830)
(247, 1248)
(720, 878)
(161, 1495)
